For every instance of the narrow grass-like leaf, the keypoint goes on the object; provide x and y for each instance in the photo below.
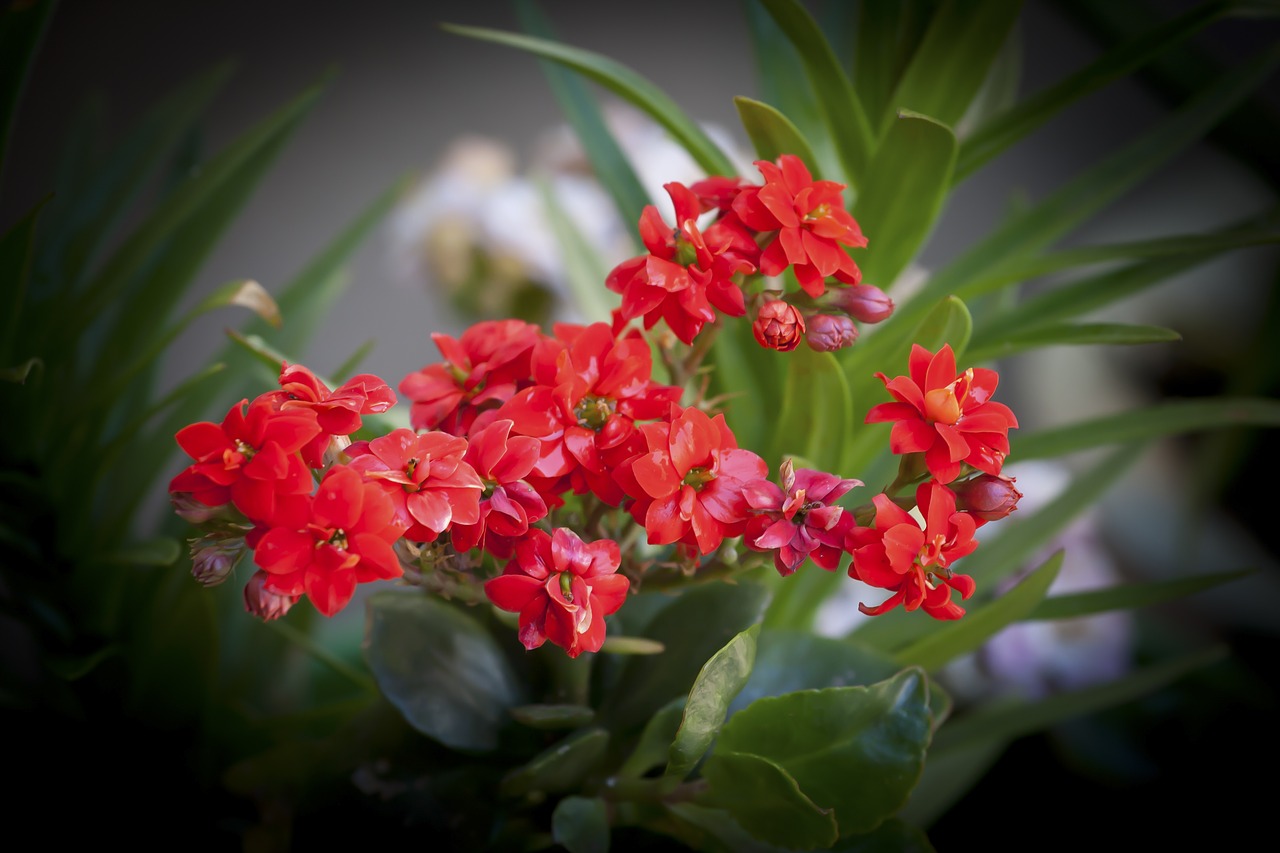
(1162, 419)
(246, 293)
(584, 269)
(1129, 596)
(619, 645)
(949, 323)
(838, 100)
(772, 133)
(352, 363)
(952, 61)
(163, 551)
(19, 372)
(902, 194)
(15, 266)
(608, 162)
(745, 374)
(1074, 334)
(888, 36)
(623, 82)
(552, 717)
(816, 413)
(1003, 131)
(999, 92)
(718, 682)
(967, 634)
(1013, 720)
(22, 29)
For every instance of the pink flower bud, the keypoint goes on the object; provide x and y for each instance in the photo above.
(214, 556)
(864, 302)
(264, 603)
(828, 333)
(987, 496)
(193, 511)
(778, 326)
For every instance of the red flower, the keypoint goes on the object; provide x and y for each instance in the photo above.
(426, 478)
(249, 459)
(685, 272)
(562, 588)
(896, 554)
(689, 486)
(811, 222)
(338, 412)
(779, 325)
(798, 520)
(324, 546)
(987, 497)
(949, 418)
(508, 504)
(485, 366)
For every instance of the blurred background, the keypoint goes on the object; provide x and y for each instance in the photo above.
(403, 97)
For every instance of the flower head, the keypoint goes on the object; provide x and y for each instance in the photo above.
(798, 520)
(508, 504)
(779, 325)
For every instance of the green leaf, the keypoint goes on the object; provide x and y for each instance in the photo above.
(623, 82)
(581, 825)
(836, 97)
(1170, 418)
(1075, 334)
(15, 265)
(773, 134)
(888, 35)
(903, 193)
(553, 717)
(1011, 720)
(654, 746)
(855, 750)
(440, 668)
(692, 628)
(952, 61)
(1129, 596)
(817, 413)
(163, 551)
(966, 635)
(584, 268)
(245, 293)
(767, 801)
(632, 646)
(998, 134)
(948, 323)
(22, 29)
(746, 372)
(561, 767)
(608, 162)
(715, 687)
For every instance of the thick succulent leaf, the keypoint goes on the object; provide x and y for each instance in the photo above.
(838, 100)
(817, 411)
(1010, 720)
(1129, 596)
(767, 801)
(1162, 419)
(954, 639)
(903, 193)
(1003, 131)
(608, 162)
(773, 134)
(952, 61)
(440, 668)
(855, 750)
(692, 628)
(622, 81)
(718, 682)
(553, 717)
(561, 767)
(581, 825)
(1074, 334)
(653, 748)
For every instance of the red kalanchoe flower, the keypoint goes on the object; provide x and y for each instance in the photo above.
(779, 325)
(338, 412)
(485, 367)
(591, 390)
(896, 554)
(686, 272)
(508, 504)
(829, 332)
(250, 459)
(811, 222)
(798, 520)
(949, 418)
(689, 486)
(562, 588)
(324, 546)
(425, 477)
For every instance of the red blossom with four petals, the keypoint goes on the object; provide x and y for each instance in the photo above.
(798, 519)
(338, 412)
(949, 418)
(562, 588)
(508, 504)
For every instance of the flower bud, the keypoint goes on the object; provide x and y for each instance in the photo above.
(829, 332)
(193, 511)
(778, 326)
(214, 556)
(864, 302)
(264, 603)
(987, 496)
